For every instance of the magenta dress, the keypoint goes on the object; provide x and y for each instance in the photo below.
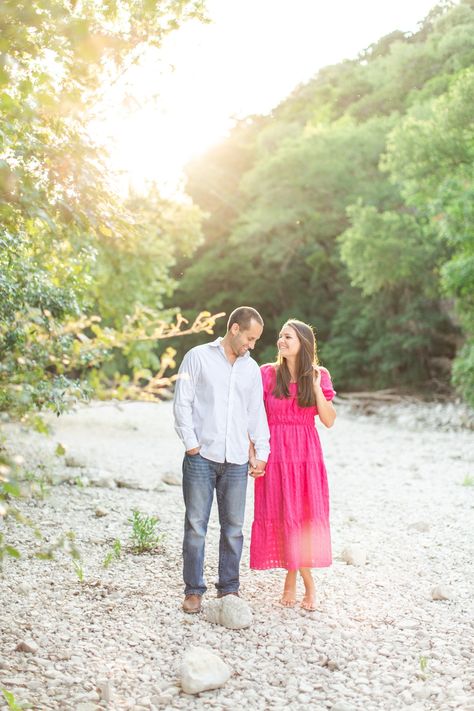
(291, 515)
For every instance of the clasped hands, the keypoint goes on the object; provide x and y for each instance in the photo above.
(256, 466)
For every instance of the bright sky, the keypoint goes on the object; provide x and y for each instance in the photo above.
(179, 102)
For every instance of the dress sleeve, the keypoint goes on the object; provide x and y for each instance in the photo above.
(326, 384)
(266, 373)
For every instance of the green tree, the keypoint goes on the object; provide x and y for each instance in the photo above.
(431, 155)
(57, 210)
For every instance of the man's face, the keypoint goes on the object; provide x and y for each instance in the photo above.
(242, 341)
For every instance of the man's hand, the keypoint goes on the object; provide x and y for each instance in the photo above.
(192, 452)
(252, 455)
(257, 469)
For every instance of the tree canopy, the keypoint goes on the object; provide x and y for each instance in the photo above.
(349, 206)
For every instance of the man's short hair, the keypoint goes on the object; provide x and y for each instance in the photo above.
(243, 315)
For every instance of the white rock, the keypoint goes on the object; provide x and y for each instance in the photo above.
(421, 691)
(421, 526)
(104, 689)
(229, 611)
(105, 481)
(201, 670)
(99, 512)
(71, 461)
(342, 706)
(441, 592)
(354, 555)
(172, 478)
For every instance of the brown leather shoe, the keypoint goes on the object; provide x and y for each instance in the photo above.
(192, 604)
(221, 594)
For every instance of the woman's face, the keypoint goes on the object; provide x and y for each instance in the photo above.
(288, 342)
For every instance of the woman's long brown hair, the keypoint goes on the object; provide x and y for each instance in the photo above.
(306, 358)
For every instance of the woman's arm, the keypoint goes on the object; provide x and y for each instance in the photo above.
(326, 410)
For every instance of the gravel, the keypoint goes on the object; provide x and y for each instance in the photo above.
(395, 633)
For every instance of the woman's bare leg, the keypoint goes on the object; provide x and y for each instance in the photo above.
(309, 600)
(288, 598)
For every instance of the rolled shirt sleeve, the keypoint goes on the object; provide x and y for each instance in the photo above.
(259, 431)
(185, 391)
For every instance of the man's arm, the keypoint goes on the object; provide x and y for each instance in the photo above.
(258, 430)
(184, 394)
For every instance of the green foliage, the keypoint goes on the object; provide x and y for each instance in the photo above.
(431, 155)
(68, 244)
(113, 554)
(144, 535)
(82, 273)
(79, 570)
(350, 206)
(13, 705)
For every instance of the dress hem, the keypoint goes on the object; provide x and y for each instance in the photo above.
(283, 567)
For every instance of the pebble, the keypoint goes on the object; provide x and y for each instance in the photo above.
(421, 526)
(27, 645)
(74, 462)
(441, 592)
(105, 691)
(172, 479)
(354, 555)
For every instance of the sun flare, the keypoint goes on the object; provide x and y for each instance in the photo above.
(176, 103)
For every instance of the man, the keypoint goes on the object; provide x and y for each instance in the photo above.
(218, 407)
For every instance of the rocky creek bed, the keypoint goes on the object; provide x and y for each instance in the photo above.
(401, 494)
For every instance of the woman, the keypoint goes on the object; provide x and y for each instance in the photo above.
(291, 517)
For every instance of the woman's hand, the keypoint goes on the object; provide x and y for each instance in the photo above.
(258, 469)
(317, 375)
(326, 410)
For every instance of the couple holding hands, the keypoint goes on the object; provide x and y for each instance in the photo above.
(229, 413)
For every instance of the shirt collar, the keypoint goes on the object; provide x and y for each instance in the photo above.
(217, 344)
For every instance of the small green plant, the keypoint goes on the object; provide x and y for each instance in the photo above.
(79, 570)
(60, 450)
(113, 554)
(423, 673)
(10, 699)
(144, 535)
(468, 480)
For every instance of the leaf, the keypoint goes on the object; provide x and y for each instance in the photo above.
(60, 450)
(10, 699)
(13, 552)
(11, 489)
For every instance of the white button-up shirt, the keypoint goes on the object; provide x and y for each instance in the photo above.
(218, 406)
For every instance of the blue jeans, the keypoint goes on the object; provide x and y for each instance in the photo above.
(200, 478)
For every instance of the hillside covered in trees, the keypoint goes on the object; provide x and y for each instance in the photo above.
(350, 206)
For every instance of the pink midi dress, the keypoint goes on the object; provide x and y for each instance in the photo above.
(291, 512)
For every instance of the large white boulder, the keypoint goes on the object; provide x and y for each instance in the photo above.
(201, 670)
(229, 611)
